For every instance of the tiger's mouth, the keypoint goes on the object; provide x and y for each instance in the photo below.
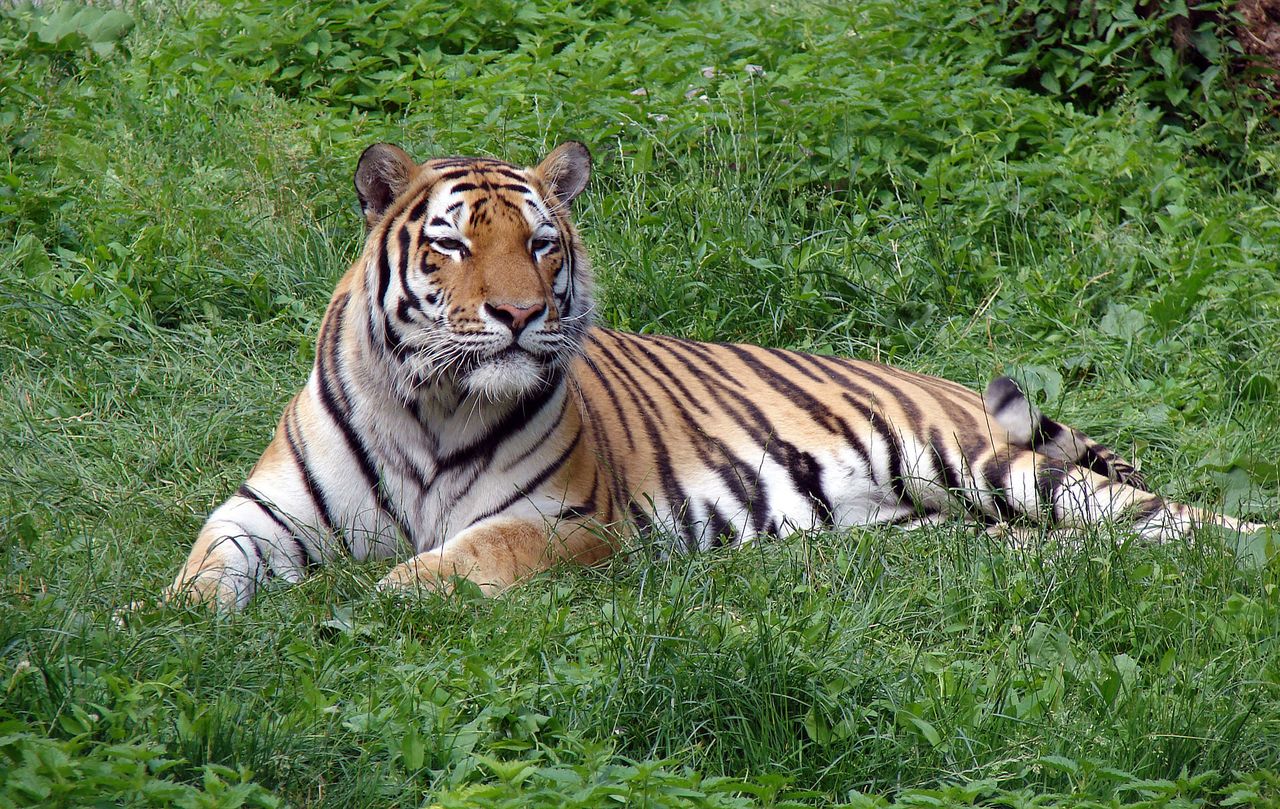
(495, 372)
(510, 371)
(541, 354)
(512, 350)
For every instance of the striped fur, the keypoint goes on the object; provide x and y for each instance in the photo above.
(464, 412)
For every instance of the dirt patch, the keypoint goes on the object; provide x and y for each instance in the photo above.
(1259, 35)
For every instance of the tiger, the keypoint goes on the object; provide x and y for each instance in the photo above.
(466, 414)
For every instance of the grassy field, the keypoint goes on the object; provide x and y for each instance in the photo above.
(890, 180)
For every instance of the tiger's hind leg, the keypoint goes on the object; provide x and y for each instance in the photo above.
(1053, 472)
(1062, 494)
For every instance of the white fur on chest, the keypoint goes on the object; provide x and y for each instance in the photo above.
(442, 467)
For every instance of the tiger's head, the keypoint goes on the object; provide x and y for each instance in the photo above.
(473, 270)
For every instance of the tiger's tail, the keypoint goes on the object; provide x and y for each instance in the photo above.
(1030, 428)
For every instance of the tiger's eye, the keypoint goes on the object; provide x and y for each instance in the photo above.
(539, 245)
(449, 245)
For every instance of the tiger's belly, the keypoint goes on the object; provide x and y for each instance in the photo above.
(707, 510)
(716, 444)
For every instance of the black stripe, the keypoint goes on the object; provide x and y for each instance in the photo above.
(1050, 475)
(644, 525)
(525, 410)
(613, 396)
(407, 463)
(419, 209)
(1095, 460)
(604, 450)
(567, 263)
(750, 419)
(791, 359)
(734, 472)
(391, 339)
(587, 509)
(722, 532)
(304, 551)
(1013, 394)
(836, 369)
(309, 482)
(253, 546)
(958, 402)
(1046, 432)
(405, 239)
(802, 467)
(971, 437)
(537, 480)
(476, 162)
(590, 506)
(1092, 459)
(950, 475)
(517, 187)
(460, 187)
(671, 488)
(951, 478)
(814, 407)
(384, 274)
(906, 403)
(248, 494)
(1145, 511)
(642, 345)
(917, 516)
(897, 481)
(1131, 477)
(996, 473)
(833, 370)
(329, 374)
(582, 512)
(405, 309)
(880, 427)
(538, 443)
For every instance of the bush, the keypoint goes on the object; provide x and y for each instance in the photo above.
(375, 55)
(1186, 62)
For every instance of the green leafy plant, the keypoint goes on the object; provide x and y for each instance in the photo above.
(1185, 61)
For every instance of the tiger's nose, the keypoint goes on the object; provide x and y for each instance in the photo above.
(512, 316)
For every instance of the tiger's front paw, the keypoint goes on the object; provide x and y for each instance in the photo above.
(438, 572)
(213, 589)
(214, 594)
(415, 577)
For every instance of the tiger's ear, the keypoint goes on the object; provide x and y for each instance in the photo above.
(383, 173)
(566, 170)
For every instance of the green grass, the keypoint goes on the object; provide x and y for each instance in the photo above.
(175, 208)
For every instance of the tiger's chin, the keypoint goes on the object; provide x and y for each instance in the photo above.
(505, 376)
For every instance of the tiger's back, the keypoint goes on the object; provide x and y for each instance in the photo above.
(464, 411)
